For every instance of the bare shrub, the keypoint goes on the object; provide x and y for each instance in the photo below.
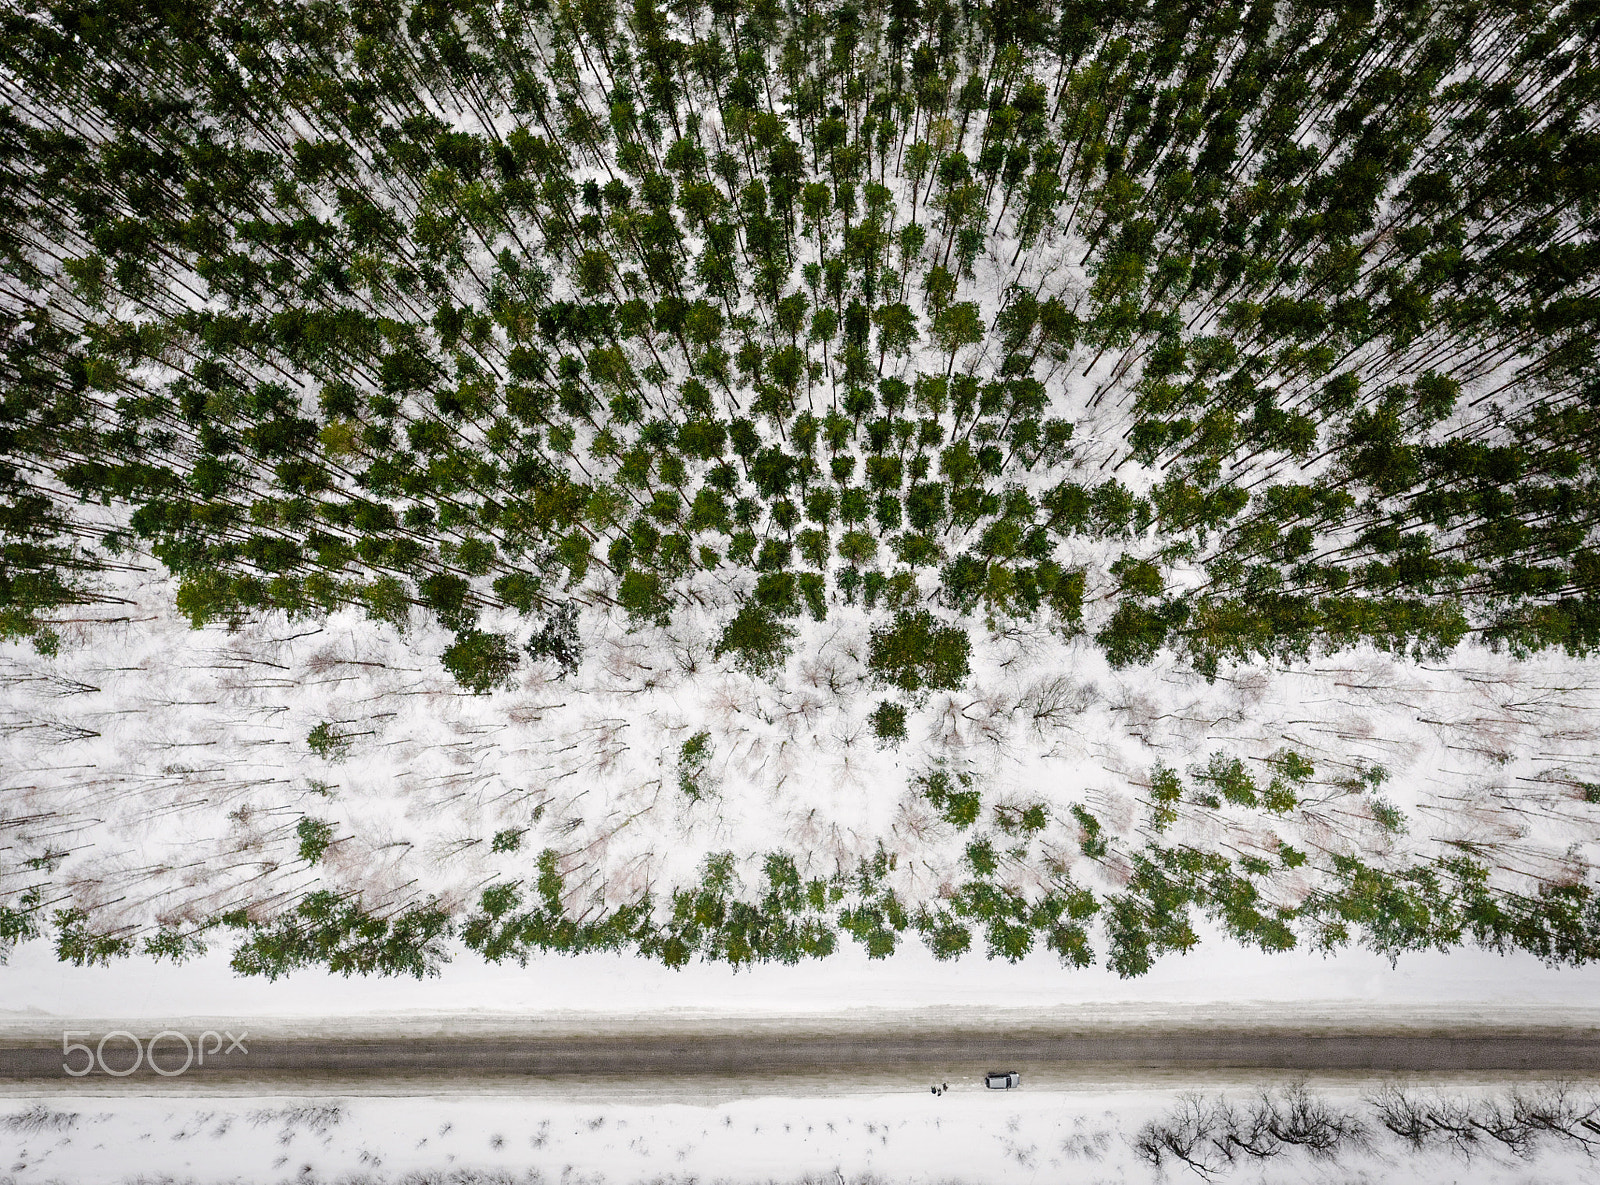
(1295, 1116)
(38, 1118)
(467, 1177)
(1052, 702)
(1425, 1120)
(1209, 1135)
(318, 1118)
(1563, 1112)
(1086, 1143)
(1518, 1122)
(1188, 1134)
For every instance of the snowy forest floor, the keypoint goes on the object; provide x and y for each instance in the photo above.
(158, 775)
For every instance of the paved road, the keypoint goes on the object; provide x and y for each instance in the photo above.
(768, 1054)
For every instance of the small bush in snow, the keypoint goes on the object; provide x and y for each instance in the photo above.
(480, 661)
(692, 761)
(1388, 816)
(38, 1118)
(315, 835)
(756, 639)
(958, 806)
(557, 640)
(916, 652)
(327, 742)
(889, 722)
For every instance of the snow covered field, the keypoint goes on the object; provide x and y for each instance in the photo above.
(962, 1136)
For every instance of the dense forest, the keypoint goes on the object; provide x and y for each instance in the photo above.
(1245, 332)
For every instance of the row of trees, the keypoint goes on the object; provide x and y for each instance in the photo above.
(786, 918)
(1262, 891)
(1215, 1134)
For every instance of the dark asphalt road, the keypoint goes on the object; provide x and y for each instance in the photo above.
(767, 1054)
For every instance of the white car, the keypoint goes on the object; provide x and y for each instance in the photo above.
(1002, 1079)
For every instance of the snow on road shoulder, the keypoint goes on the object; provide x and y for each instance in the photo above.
(966, 1135)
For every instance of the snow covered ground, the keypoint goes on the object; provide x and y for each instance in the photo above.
(161, 775)
(966, 1135)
